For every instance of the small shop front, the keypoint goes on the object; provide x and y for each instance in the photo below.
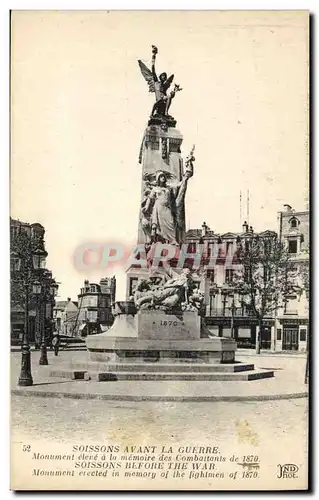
(244, 330)
(294, 333)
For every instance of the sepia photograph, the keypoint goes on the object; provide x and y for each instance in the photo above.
(159, 250)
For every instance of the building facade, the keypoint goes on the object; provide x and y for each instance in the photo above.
(65, 314)
(226, 315)
(287, 329)
(40, 313)
(95, 302)
(292, 322)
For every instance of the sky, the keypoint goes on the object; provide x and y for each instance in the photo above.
(79, 107)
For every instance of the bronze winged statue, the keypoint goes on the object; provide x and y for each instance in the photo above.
(159, 85)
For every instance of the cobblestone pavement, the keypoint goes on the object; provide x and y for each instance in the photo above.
(68, 420)
(274, 431)
(278, 426)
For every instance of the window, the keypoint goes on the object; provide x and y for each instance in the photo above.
(294, 223)
(93, 289)
(292, 246)
(267, 273)
(303, 335)
(229, 248)
(267, 246)
(191, 248)
(92, 301)
(278, 333)
(211, 275)
(103, 302)
(153, 142)
(229, 276)
(26, 229)
(133, 283)
(174, 146)
(212, 250)
(102, 316)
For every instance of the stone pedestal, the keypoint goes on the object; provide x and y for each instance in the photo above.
(159, 346)
(155, 335)
(156, 325)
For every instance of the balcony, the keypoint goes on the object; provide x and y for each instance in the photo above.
(238, 313)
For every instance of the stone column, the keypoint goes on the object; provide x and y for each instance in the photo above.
(160, 151)
(273, 338)
(279, 342)
(257, 334)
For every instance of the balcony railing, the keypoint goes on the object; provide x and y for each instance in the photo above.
(238, 313)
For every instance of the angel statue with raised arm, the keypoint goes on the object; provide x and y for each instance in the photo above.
(159, 85)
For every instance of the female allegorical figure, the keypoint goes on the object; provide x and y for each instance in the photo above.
(166, 206)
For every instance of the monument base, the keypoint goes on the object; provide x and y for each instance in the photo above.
(159, 336)
(158, 345)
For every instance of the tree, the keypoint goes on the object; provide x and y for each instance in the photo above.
(27, 266)
(304, 271)
(23, 248)
(305, 275)
(266, 277)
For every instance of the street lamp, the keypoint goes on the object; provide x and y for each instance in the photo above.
(213, 291)
(37, 262)
(36, 288)
(48, 290)
(54, 286)
(233, 309)
(15, 262)
(25, 378)
(39, 259)
(229, 292)
(226, 292)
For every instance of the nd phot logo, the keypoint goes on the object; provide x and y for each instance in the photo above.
(287, 471)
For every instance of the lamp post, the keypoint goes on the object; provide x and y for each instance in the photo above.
(23, 272)
(48, 289)
(228, 292)
(233, 308)
(213, 291)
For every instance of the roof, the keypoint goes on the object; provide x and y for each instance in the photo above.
(61, 305)
(70, 307)
(105, 288)
(196, 234)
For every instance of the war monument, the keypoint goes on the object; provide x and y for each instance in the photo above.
(159, 332)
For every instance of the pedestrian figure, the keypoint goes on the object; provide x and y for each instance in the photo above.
(56, 343)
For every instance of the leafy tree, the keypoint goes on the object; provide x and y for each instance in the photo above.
(23, 248)
(305, 274)
(266, 277)
(305, 278)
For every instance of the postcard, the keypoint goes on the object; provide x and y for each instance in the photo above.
(159, 251)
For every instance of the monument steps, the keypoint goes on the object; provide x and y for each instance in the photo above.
(241, 376)
(159, 367)
(115, 375)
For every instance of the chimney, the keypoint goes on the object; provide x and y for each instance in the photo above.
(288, 207)
(204, 229)
(251, 230)
(245, 227)
(69, 299)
